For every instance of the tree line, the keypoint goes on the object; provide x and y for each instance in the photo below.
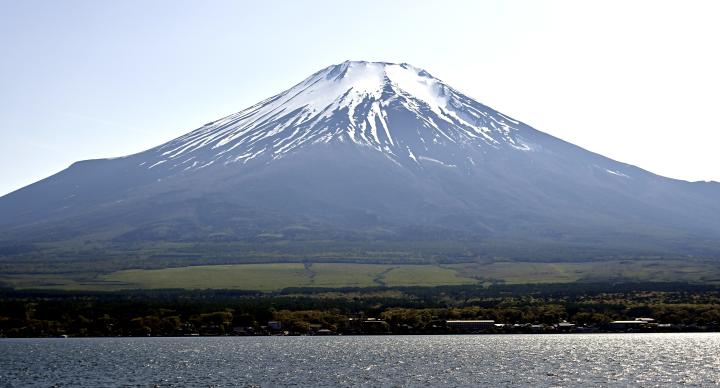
(418, 310)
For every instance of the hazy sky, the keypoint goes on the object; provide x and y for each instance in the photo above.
(636, 81)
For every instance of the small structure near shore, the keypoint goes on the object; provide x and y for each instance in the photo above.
(628, 325)
(565, 327)
(468, 326)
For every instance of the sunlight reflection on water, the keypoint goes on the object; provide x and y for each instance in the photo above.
(495, 360)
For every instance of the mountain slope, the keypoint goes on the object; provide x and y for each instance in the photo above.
(366, 157)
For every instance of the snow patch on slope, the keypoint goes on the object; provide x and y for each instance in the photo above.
(616, 173)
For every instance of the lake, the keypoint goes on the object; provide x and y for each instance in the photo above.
(490, 360)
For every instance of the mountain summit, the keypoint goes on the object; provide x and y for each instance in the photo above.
(363, 159)
(397, 109)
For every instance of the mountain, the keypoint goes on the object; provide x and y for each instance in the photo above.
(362, 159)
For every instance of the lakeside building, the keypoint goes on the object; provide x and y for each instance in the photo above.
(470, 325)
(647, 320)
(625, 325)
(565, 326)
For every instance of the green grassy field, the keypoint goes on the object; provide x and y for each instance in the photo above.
(268, 277)
(276, 276)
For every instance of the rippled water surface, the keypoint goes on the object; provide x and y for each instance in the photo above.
(535, 360)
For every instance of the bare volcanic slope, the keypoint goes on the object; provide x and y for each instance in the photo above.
(362, 160)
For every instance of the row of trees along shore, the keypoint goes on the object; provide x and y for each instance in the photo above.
(351, 311)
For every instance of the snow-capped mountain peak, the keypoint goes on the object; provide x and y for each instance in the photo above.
(397, 109)
(365, 157)
(350, 82)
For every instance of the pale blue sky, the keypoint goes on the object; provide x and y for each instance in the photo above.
(636, 81)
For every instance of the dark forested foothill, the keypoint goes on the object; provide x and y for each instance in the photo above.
(500, 309)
